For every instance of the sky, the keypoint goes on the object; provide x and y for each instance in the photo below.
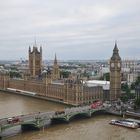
(73, 29)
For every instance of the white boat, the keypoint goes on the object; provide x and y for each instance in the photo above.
(125, 123)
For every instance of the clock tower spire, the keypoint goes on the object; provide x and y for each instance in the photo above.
(115, 74)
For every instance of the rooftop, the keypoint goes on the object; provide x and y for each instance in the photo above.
(104, 84)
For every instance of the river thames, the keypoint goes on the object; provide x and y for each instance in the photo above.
(95, 128)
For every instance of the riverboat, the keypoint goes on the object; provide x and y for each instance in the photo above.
(125, 123)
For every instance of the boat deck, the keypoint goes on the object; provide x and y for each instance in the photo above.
(133, 120)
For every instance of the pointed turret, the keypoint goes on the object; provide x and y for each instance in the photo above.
(56, 73)
(55, 60)
(115, 55)
(35, 60)
(35, 43)
(29, 49)
(41, 49)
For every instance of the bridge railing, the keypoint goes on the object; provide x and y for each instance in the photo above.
(69, 111)
(26, 118)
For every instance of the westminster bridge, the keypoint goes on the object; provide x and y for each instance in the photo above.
(39, 120)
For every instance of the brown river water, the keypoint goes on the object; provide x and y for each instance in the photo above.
(95, 128)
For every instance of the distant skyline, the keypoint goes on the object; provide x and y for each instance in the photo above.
(73, 29)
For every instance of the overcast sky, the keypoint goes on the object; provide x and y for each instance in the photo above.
(73, 29)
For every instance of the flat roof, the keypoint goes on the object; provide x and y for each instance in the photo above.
(101, 82)
(92, 83)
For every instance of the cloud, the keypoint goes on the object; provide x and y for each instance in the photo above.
(89, 27)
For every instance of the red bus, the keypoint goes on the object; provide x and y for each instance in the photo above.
(96, 104)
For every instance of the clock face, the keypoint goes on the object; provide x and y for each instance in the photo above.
(112, 65)
(119, 65)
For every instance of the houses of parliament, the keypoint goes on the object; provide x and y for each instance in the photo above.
(72, 90)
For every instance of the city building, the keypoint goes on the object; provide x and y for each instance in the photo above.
(129, 70)
(115, 74)
(104, 84)
(56, 72)
(137, 92)
(72, 90)
(35, 61)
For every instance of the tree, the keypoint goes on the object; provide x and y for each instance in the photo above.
(65, 74)
(107, 76)
(124, 98)
(86, 74)
(14, 74)
(127, 93)
(138, 80)
(133, 85)
(137, 103)
(125, 87)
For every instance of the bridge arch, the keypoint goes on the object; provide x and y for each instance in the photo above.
(81, 114)
(30, 126)
(97, 112)
(60, 120)
(70, 117)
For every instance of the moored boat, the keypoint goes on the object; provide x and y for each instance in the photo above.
(125, 123)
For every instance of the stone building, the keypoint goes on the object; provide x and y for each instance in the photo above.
(56, 72)
(4, 80)
(68, 91)
(35, 61)
(129, 70)
(137, 92)
(115, 74)
(104, 84)
(71, 90)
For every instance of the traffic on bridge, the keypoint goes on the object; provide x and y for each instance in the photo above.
(39, 120)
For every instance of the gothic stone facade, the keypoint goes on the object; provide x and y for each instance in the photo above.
(55, 72)
(115, 74)
(69, 91)
(35, 61)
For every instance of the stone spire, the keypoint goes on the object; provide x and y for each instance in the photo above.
(55, 60)
(35, 42)
(115, 55)
(35, 60)
(41, 49)
(29, 49)
(56, 72)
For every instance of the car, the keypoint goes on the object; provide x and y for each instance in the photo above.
(9, 120)
(59, 112)
(13, 120)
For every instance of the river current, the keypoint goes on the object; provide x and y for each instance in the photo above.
(95, 128)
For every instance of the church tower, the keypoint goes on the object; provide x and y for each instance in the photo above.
(56, 72)
(35, 61)
(115, 74)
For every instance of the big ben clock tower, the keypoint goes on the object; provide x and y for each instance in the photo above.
(115, 74)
